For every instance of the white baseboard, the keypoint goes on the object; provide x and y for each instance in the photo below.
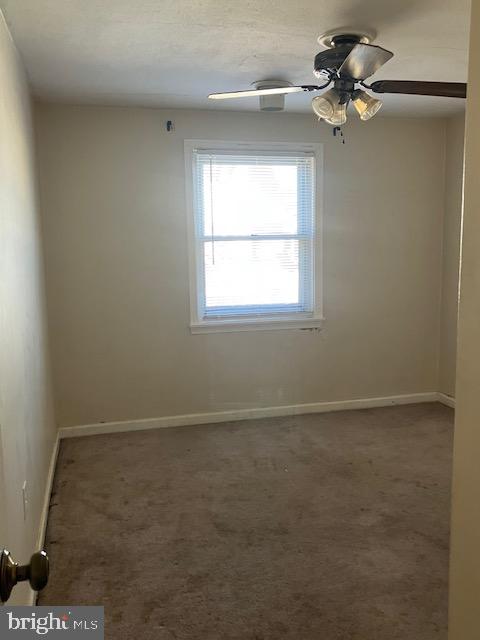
(244, 414)
(42, 527)
(48, 492)
(447, 400)
(216, 417)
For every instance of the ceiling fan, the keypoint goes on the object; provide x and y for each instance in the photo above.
(346, 63)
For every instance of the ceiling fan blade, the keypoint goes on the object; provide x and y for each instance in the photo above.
(417, 87)
(364, 60)
(262, 92)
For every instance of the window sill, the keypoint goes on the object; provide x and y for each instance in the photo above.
(256, 324)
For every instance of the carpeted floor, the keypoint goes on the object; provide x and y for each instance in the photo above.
(318, 527)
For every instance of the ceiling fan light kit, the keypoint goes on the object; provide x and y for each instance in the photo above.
(365, 105)
(328, 107)
(348, 61)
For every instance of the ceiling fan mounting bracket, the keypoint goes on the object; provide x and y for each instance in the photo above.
(346, 35)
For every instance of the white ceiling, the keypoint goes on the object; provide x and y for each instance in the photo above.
(172, 53)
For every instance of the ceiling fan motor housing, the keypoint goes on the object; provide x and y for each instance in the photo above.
(330, 60)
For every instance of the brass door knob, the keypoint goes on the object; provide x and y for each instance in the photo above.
(11, 573)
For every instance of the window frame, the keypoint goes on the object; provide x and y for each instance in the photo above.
(296, 320)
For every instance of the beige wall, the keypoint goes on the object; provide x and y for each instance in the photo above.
(26, 417)
(465, 545)
(455, 130)
(112, 190)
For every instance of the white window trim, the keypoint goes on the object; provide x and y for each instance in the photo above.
(295, 321)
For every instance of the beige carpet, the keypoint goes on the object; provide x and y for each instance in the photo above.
(325, 527)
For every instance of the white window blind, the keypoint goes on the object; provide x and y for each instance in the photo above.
(254, 233)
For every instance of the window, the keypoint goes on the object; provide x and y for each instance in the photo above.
(252, 227)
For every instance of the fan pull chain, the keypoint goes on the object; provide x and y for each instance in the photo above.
(340, 133)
